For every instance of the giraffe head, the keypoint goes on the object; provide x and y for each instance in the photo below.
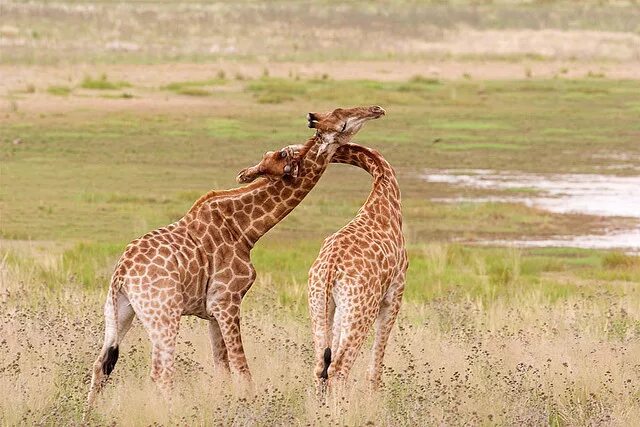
(274, 165)
(335, 127)
(340, 125)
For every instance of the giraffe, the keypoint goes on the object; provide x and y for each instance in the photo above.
(359, 276)
(201, 265)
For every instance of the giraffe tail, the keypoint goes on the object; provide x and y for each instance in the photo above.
(110, 360)
(329, 282)
(112, 352)
(327, 361)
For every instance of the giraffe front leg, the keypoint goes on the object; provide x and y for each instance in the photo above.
(223, 304)
(224, 307)
(219, 349)
(228, 318)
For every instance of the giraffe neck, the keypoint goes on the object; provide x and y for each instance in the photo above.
(386, 190)
(247, 213)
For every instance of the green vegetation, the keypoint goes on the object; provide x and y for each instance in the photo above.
(103, 198)
(489, 335)
(59, 90)
(195, 88)
(101, 192)
(102, 83)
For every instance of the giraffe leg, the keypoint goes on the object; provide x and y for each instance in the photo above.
(353, 331)
(223, 304)
(229, 321)
(219, 349)
(163, 335)
(384, 324)
(161, 320)
(117, 323)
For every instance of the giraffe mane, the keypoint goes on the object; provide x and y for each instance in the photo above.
(215, 194)
(374, 155)
(260, 182)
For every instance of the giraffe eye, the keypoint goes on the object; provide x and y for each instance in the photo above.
(344, 127)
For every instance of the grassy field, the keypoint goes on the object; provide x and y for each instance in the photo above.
(488, 336)
(118, 126)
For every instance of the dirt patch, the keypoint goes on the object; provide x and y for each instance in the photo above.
(16, 77)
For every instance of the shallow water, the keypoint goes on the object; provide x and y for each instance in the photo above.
(589, 194)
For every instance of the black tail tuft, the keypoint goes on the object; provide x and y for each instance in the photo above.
(110, 361)
(327, 361)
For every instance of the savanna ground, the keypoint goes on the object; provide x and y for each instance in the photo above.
(116, 117)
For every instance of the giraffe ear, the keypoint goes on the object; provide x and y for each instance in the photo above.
(312, 120)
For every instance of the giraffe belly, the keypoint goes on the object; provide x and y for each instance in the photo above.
(195, 298)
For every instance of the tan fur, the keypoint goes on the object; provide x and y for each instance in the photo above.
(359, 275)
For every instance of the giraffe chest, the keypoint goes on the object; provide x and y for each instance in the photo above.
(227, 273)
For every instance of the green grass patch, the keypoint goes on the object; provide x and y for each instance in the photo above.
(448, 270)
(102, 83)
(193, 91)
(194, 87)
(348, 93)
(91, 264)
(452, 146)
(93, 197)
(276, 91)
(522, 190)
(469, 125)
(59, 90)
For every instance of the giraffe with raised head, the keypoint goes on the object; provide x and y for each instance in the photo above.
(359, 276)
(201, 264)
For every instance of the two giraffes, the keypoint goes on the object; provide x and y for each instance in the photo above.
(201, 264)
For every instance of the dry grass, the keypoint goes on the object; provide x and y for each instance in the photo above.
(486, 336)
(61, 32)
(522, 360)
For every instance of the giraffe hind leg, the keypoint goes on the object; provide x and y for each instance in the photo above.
(163, 336)
(384, 324)
(354, 328)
